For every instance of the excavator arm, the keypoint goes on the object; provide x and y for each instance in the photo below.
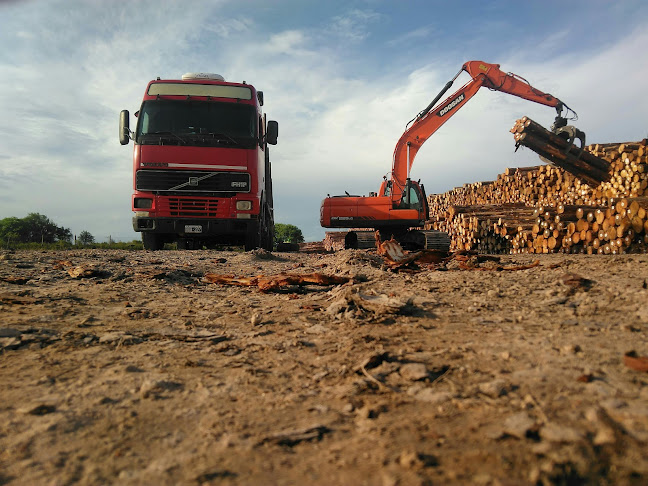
(435, 115)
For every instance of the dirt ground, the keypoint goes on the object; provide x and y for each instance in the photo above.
(132, 367)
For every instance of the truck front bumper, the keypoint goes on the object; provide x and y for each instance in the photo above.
(224, 229)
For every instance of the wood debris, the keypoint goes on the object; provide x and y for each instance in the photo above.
(15, 280)
(394, 254)
(635, 362)
(83, 271)
(79, 271)
(576, 281)
(351, 298)
(62, 264)
(293, 437)
(276, 282)
(485, 263)
(395, 257)
(9, 299)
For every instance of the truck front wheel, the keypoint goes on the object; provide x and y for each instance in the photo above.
(252, 241)
(264, 236)
(152, 241)
(186, 244)
(267, 230)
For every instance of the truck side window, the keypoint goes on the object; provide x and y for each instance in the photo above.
(146, 122)
(261, 132)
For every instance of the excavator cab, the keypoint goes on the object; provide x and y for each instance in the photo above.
(411, 197)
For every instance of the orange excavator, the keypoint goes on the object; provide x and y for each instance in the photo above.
(400, 209)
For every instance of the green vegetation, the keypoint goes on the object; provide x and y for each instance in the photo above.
(36, 232)
(287, 233)
(65, 245)
(113, 245)
(33, 228)
(85, 238)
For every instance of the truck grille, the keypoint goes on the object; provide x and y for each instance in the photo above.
(191, 181)
(192, 208)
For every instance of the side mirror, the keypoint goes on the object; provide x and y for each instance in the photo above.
(124, 127)
(260, 97)
(272, 132)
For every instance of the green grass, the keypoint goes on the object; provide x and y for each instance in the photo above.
(64, 245)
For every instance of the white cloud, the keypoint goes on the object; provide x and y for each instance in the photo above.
(354, 25)
(230, 27)
(414, 35)
(289, 42)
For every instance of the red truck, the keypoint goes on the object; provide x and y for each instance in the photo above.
(201, 164)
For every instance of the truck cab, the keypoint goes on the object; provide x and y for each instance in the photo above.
(201, 164)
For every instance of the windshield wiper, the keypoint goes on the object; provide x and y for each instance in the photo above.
(217, 135)
(162, 133)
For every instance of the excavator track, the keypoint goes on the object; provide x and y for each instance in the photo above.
(360, 240)
(413, 240)
(437, 240)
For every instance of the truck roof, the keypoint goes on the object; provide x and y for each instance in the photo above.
(208, 87)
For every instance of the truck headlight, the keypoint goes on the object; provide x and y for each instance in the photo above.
(243, 205)
(142, 203)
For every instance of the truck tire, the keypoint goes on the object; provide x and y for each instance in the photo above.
(264, 236)
(269, 204)
(252, 241)
(267, 230)
(152, 241)
(184, 244)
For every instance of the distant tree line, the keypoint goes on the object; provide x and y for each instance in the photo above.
(36, 228)
(33, 228)
(85, 238)
(288, 233)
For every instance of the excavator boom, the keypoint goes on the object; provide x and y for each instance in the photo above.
(435, 115)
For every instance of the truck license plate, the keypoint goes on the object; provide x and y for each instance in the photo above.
(193, 228)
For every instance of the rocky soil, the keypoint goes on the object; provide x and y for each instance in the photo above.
(133, 368)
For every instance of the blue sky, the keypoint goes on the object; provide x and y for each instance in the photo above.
(342, 78)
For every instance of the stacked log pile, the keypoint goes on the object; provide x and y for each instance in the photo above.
(547, 209)
(334, 240)
(629, 162)
(477, 227)
(312, 247)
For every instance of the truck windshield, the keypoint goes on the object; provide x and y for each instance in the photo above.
(194, 122)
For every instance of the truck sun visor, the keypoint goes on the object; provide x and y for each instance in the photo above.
(193, 89)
